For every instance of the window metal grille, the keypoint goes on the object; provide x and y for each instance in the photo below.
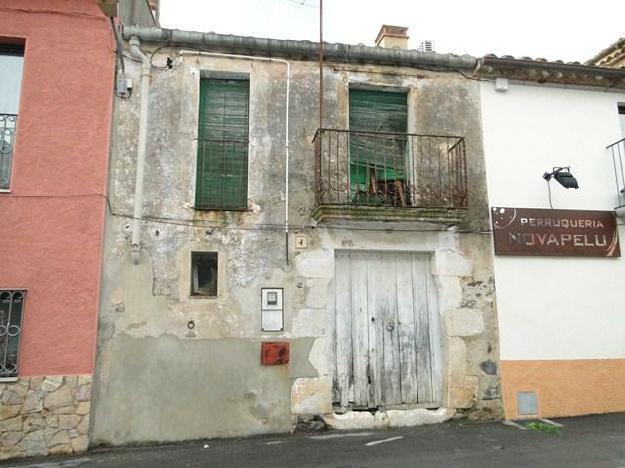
(11, 308)
(7, 141)
(11, 65)
(617, 151)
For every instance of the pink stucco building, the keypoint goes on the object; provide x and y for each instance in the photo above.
(57, 67)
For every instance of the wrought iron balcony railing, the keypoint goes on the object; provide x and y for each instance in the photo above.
(390, 169)
(617, 150)
(7, 140)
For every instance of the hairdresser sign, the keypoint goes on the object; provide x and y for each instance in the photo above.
(563, 233)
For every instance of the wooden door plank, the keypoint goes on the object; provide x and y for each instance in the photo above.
(406, 329)
(436, 349)
(336, 391)
(422, 328)
(331, 310)
(360, 330)
(387, 306)
(375, 337)
(343, 326)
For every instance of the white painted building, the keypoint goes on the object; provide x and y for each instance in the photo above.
(562, 326)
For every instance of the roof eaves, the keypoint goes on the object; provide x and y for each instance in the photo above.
(303, 50)
(608, 50)
(543, 71)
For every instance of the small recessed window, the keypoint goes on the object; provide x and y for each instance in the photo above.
(204, 273)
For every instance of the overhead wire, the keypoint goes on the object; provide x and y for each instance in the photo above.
(303, 3)
(196, 223)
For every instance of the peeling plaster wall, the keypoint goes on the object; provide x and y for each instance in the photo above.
(158, 380)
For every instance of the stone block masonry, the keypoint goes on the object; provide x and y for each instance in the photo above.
(44, 416)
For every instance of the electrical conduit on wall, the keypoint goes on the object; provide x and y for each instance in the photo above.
(135, 253)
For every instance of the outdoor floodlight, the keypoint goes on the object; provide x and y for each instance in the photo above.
(563, 176)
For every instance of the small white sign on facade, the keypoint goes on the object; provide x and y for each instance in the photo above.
(301, 242)
(271, 309)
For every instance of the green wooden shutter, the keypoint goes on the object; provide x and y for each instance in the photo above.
(376, 111)
(222, 145)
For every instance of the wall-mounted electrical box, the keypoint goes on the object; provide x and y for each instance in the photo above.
(271, 309)
(274, 354)
(527, 404)
(501, 84)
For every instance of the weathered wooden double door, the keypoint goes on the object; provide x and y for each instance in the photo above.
(387, 331)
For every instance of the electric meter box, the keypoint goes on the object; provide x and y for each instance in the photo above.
(272, 309)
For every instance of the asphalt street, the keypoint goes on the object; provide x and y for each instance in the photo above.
(590, 441)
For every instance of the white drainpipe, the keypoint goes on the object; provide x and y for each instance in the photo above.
(286, 130)
(135, 51)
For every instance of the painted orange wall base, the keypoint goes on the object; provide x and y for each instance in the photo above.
(566, 387)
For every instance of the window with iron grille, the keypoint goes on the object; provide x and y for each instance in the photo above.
(221, 180)
(11, 64)
(11, 308)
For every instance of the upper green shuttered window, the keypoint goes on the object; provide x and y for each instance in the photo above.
(378, 111)
(378, 122)
(221, 182)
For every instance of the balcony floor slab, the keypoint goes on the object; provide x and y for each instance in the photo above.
(434, 218)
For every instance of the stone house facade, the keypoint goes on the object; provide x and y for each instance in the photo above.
(262, 269)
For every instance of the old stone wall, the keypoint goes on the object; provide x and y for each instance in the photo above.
(197, 360)
(44, 416)
(461, 267)
(472, 329)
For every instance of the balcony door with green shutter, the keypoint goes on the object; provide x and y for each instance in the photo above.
(377, 144)
(222, 156)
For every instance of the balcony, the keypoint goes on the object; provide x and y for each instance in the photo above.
(617, 152)
(389, 177)
(7, 140)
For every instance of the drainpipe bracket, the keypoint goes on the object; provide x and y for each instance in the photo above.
(135, 253)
